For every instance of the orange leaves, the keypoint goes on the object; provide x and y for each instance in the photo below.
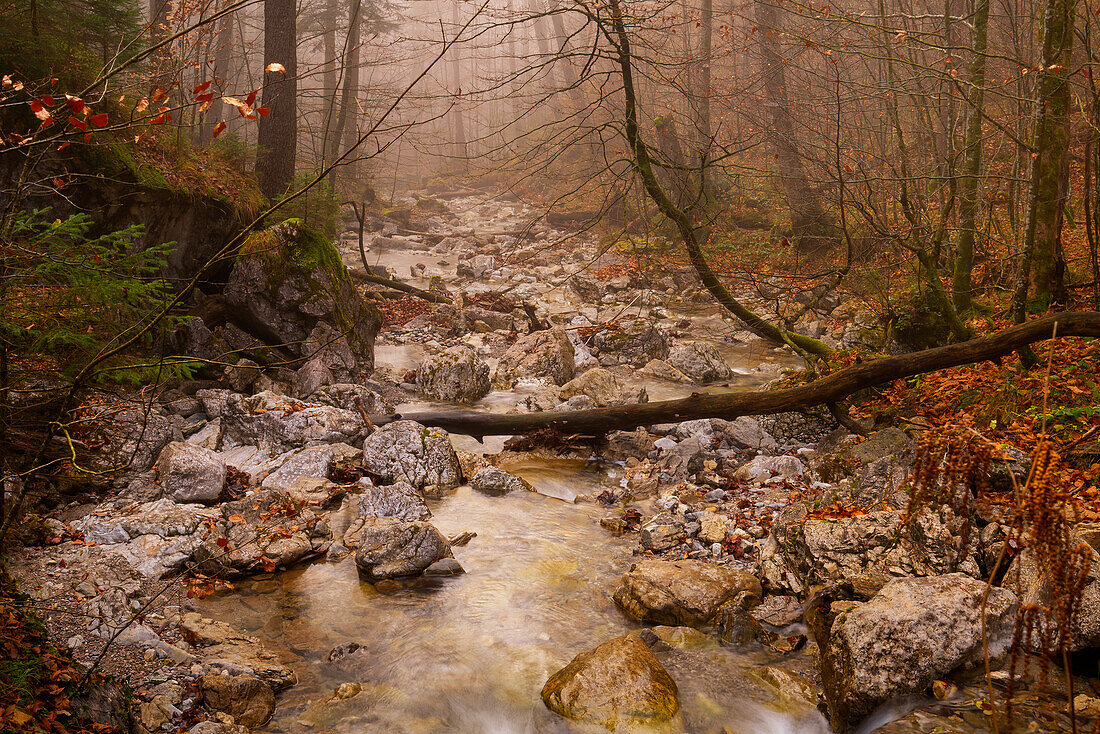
(219, 129)
(275, 67)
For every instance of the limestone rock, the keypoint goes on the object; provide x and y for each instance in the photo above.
(407, 451)
(682, 593)
(604, 388)
(276, 423)
(309, 462)
(455, 375)
(400, 500)
(1034, 588)
(634, 344)
(350, 397)
(544, 356)
(662, 370)
(250, 701)
(391, 548)
(132, 434)
(700, 361)
(619, 683)
(866, 550)
(914, 631)
(191, 474)
(492, 480)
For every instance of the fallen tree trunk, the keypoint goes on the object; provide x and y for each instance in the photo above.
(829, 389)
(397, 285)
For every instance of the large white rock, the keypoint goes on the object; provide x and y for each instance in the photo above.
(407, 451)
(191, 473)
(455, 375)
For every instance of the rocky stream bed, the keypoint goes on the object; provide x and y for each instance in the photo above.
(395, 578)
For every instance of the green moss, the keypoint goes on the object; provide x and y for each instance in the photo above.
(290, 245)
(116, 160)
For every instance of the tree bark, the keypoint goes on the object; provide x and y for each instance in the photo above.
(278, 132)
(345, 135)
(830, 389)
(1050, 147)
(809, 222)
(962, 287)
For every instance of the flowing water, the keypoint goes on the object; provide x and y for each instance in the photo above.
(470, 653)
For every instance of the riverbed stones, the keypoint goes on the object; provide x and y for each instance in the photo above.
(545, 356)
(662, 370)
(352, 398)
(455, 375)
(191, 474)
(131, 434)
(914, 631)
(493, 480)
(407, 451)
(311, 462)
(700, 361)
(250, 701)
(683, 593)
(619, 683)
(392, 548)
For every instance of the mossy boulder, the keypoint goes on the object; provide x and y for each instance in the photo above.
(288, 284)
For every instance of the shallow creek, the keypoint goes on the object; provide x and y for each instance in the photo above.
(471, 653)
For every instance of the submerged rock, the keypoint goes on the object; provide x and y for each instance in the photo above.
(250, 701)
(391, 548)
(407, 451)
(224, 648)
(913, 632)
(683, 593)
(544, 356)
(621, 682)
(456, 375)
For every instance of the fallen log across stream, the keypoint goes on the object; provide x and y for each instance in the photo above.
(830, 389)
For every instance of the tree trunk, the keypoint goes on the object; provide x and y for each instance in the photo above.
(345, 134)
(809, 223)
(825, 391)
(459, 137)
(1050, 147)
(329, 83)
(962, 288)
(702, 88)
(278, 132)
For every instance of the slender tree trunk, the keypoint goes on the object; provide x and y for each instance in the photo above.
(329, 81)
(808, 220)
(459, 124)
(702, 87)
(962, 288)
(1050, 147)
(278, 131)
(344, 135)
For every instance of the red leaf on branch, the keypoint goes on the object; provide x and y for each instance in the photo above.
(205, 97)
(265, 111)
(77, 122)
(159, 120)
(218, 129)
(201, 88)
(99, 120)
(251, 98)
(47, 99)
